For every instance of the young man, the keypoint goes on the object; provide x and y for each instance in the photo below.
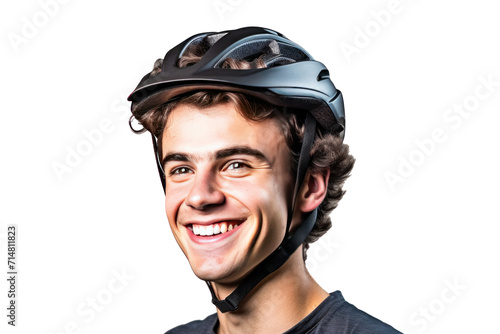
(247, 130)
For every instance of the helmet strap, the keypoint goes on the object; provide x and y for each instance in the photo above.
(158, 162)
(291, 241)
(275, 260)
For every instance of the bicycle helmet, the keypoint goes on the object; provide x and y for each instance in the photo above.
(291, 79)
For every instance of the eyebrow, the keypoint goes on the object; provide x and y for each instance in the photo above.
(220, 154)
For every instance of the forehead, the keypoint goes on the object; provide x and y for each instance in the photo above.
(197, 130)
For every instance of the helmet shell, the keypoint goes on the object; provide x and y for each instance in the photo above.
(292, 77)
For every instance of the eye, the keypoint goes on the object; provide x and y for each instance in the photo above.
(236, 168)
(236, 165)
(180, 172)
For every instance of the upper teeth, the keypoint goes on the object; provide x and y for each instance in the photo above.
(213, 228)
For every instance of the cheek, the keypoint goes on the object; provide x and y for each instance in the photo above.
(267, 201)
(273, 216)
(252, 194)
(174, 197)
(278, 204)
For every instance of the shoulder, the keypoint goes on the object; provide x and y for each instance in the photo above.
(347, 318)
(336, 315)
(205, 326)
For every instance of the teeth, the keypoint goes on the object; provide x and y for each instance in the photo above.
(208, 230)
(223, 228)
(216, 229)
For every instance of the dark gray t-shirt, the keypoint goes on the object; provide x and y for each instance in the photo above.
(333, 315)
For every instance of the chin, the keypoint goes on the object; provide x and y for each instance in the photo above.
(215, 272)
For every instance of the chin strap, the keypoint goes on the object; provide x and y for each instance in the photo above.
(275, 260)
(290, 242)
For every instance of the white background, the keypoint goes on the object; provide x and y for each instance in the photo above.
(393, 251)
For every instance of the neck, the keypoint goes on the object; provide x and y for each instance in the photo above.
(276, 304)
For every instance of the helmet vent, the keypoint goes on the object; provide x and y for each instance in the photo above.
(197, 48)
(324, 74)
(271, 52)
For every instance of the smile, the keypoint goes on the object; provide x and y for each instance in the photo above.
(213, 229)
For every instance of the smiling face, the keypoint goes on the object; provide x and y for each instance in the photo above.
(228, 186)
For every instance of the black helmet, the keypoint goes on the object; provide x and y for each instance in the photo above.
(291, 79)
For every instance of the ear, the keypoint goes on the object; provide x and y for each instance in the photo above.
(313, 190)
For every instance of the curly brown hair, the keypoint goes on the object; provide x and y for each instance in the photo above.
(328, 151)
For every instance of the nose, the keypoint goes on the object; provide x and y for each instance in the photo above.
(204, 192)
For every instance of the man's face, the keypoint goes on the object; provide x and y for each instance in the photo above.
(228, 186)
